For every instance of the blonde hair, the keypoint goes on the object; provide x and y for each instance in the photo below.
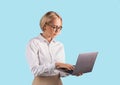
(48, 18)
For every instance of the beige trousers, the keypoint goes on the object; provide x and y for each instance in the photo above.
(47, 80)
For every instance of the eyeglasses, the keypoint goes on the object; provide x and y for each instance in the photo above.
(55, 27)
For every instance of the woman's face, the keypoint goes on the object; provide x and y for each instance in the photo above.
(53, 29)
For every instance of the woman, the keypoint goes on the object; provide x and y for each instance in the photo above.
(45, 55)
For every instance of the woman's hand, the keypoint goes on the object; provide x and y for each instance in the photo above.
(79, 74)
(64, 65)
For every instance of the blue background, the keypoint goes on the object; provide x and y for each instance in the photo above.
(88, 25)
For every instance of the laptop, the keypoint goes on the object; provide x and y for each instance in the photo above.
(84, 64)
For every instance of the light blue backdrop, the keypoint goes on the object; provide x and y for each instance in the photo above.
(88, 25)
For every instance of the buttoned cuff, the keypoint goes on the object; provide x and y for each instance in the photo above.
(51, 67)
(64, 74)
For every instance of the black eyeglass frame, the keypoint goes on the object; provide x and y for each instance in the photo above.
(54, 27)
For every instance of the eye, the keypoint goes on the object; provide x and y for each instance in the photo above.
(60, 27)
(53, 27)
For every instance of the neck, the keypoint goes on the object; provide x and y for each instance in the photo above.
(47, 37)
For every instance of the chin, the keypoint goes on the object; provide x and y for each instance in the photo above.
(54, 36)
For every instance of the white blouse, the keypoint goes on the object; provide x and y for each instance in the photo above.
(42, 55)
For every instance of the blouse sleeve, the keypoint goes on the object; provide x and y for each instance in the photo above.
(32, 58)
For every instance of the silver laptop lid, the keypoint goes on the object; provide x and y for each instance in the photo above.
(85, 62)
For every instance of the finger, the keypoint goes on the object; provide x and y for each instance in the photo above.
(70, 67)
(80, 74)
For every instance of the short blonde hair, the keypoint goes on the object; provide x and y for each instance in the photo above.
(48, 18)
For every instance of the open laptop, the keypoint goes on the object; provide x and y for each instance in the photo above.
(84, 64)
